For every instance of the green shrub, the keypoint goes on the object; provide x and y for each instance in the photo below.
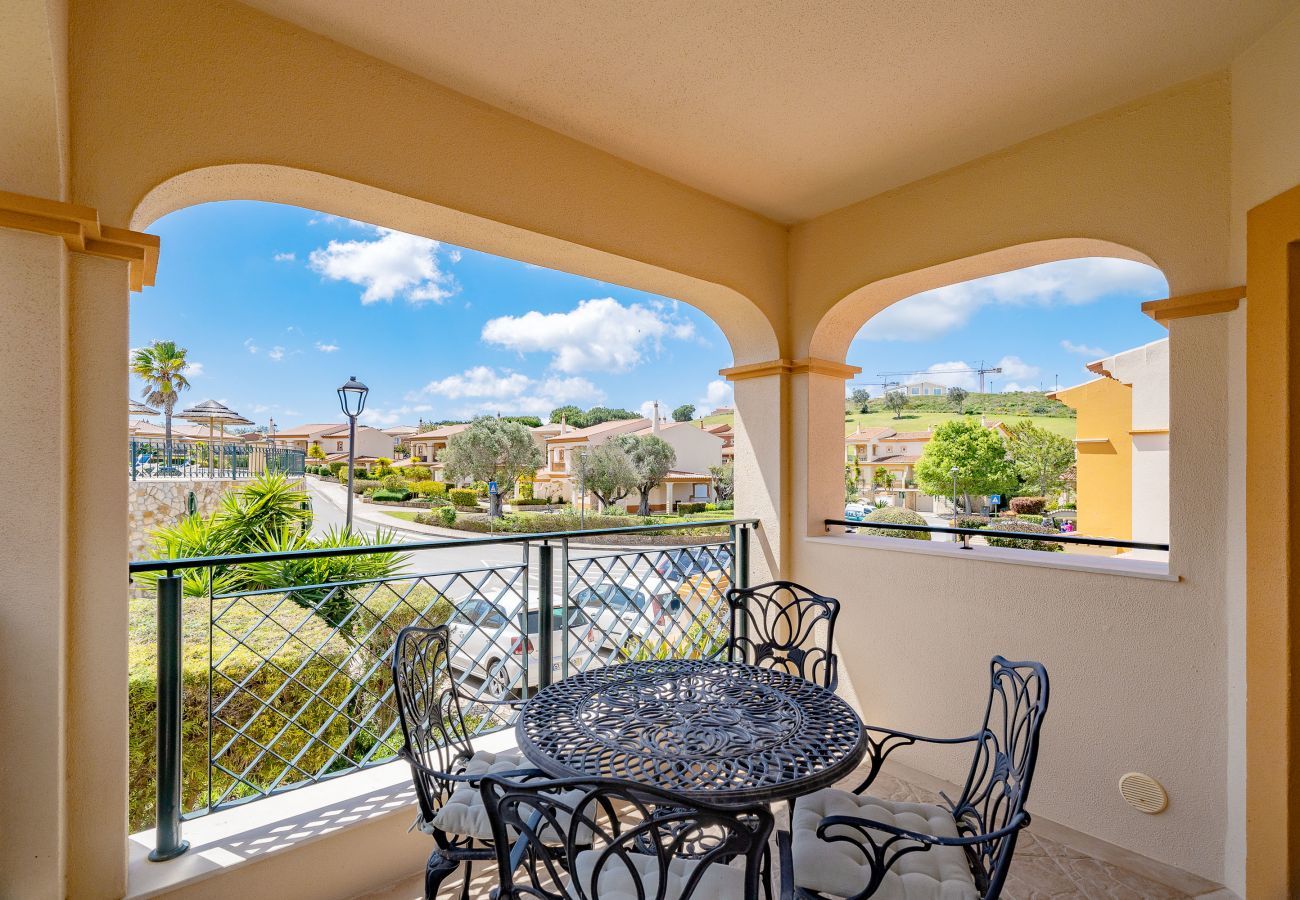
(361, 485)
(1022, 527)
(1035, 520)
(393, 483)
(480, 488)
(390, 496)
(424, 488)
(1031, 505)
(898, 517)
(337, 467)
(526, 490)
(446, 515)
(464, 497)
(416, 473)
(530, 501)
(970, 520)
(686, 509)
(727, 504)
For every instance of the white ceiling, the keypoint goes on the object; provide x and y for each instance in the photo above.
(795, 108)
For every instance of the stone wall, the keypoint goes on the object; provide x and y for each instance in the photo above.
(155, 502)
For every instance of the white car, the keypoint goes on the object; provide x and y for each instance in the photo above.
(487, 643)
(648, 609)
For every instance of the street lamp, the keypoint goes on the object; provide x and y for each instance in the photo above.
(953, 472)
(352, 398)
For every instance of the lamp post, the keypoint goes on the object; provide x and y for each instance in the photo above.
(352, 398)
(953, 472)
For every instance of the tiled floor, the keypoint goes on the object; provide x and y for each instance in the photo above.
(1043, 869)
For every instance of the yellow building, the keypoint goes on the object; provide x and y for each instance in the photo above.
(1105, 456)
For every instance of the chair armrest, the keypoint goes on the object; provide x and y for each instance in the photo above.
(786, 861)
(883, 741)
(883, 848)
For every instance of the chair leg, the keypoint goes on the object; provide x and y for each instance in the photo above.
(469, 872)
(437, 870)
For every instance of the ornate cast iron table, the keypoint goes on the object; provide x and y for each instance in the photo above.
(723, 732)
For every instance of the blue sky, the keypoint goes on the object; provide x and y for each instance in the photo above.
(279, 305)
(1038, 324)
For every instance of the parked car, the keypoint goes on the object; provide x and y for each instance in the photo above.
(630, 607)
(681, 564)
(856, 512)
(487, 643)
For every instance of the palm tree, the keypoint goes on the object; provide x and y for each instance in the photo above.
(162, 366)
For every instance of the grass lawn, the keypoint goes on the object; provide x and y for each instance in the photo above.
(919, 421)
(407, 515)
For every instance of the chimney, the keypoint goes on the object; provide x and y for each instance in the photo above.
(564, 422)
(654, 423)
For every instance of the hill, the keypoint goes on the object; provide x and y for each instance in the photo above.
(929, 412)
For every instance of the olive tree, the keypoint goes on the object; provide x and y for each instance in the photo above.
(897, 402)
(492, 449)
(652, 459)
(607, 471)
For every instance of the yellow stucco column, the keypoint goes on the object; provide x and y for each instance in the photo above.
(762, 405)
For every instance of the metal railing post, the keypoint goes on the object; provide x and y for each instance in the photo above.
(742, 557)
(545, 614)
(167, 842)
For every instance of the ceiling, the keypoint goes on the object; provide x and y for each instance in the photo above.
(799, 107)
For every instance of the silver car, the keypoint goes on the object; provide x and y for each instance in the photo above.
(488, 644)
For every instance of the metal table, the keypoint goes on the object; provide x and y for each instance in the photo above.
(721, 732)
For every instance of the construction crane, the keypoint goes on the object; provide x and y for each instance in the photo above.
(981, 370)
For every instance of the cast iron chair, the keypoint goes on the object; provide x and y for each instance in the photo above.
(594, 838)
(444, 765)
(851, 845)
(774, 625)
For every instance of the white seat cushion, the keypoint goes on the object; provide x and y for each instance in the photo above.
(840, 868)
(615, 882)
(464, 812)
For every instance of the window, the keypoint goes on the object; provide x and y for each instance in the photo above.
(338, 445)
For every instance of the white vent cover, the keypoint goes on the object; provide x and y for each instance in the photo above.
(1143, 793)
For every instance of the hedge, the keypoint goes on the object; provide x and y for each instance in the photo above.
(361, 485)
(537, 523)
(286, 697)
(897, 517)
(464, 497)
(686, 509)
(970, 520)
(530, 501)
(1023, 528)
(390, 496)
(416, 473)
(1029, 505)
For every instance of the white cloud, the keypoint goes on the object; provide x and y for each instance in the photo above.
(393, 415)
(252, 347)
(1082, 349)
(194, 370)
(718, 393)
(950, 374)
(391, 265)
(285, 257)
(326, 348)
(597, 335)
(276, 353)
(486, 390)
(1017, 369)
(1011, 387)
(1071, 282)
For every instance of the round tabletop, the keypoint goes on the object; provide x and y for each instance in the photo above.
(722, 732)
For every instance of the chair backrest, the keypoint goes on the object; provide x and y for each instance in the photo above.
(590, 837)
(775, 625)
(428, 707)
(1003, 769)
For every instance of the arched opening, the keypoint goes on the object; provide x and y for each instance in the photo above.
(1031, 397)
(396, 271)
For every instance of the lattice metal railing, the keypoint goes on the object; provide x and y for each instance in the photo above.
(298, 676)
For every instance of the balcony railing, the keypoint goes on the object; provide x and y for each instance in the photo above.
(262, 691)
(965, 534)
(201, 459)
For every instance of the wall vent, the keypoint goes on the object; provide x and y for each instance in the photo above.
(1143, 793)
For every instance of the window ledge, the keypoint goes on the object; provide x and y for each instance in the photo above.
(1157, 570)
(223, 842)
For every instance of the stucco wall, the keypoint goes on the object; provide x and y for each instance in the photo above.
(1138, 666)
